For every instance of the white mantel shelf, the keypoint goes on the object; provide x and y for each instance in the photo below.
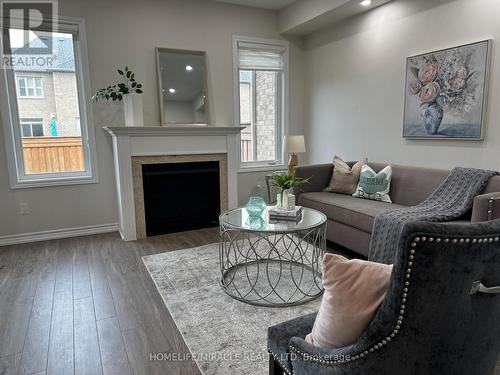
(148, 131)
(139, 141)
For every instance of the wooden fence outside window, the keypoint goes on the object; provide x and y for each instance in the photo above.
(53, 154)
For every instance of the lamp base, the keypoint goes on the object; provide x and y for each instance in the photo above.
(292, 162)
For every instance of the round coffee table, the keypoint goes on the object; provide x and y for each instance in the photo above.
(268, 263)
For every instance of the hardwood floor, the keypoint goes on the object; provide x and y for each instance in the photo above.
(87, 305)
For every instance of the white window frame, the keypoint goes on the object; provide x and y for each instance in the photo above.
(12, 131)
(31, 122)
(254, 166)
(26, 78)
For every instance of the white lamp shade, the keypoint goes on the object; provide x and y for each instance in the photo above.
(295, 144)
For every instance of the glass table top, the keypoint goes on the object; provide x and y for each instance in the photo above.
(238, 218)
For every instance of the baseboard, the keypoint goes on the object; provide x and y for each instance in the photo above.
(57, 233)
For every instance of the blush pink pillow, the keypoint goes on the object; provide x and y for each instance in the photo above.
(354, 289)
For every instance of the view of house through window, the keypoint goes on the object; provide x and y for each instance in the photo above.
(30, 87)
(47, 103)
(259, 113)
(31, 127)
(260, 70)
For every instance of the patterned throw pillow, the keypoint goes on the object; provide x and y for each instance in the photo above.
(344, 178)
(375, 186)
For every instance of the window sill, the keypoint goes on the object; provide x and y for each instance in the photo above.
(63, 181)
(261, 168)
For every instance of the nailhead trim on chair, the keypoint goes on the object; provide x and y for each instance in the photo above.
(404, 296)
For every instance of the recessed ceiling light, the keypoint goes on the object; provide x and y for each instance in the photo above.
(172, 91)
(189, 68)
(366, 3)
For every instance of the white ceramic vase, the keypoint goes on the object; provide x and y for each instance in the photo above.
(287, 202)
(132, 107)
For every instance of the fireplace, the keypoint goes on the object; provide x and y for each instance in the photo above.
(181, 196)
(175, 193)
(135, 146)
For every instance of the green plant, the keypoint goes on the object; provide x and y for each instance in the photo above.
(288, 180)
(117, 91)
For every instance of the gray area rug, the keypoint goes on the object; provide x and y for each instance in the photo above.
(225, 336)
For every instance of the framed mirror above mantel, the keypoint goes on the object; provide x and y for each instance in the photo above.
(182, 87)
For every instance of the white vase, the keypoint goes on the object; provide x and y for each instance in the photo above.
(132, 107)
(287, 202)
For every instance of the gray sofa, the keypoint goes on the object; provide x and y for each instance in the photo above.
(350, 219)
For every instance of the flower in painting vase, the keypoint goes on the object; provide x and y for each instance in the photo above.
(415, 87)
(428, 73)
(457, 83)
(430, 92)
(461, 72)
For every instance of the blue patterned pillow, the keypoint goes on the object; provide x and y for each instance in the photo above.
(374, 186)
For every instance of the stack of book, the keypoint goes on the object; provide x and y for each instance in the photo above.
(279, 214)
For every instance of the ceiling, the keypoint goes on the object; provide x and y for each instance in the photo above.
(266, 4)
(303, 17)
(331, 12)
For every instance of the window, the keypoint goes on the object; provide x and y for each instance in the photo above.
(49, 141)
(31, 127)
(260, 68)
(30, 87)
(78, 128)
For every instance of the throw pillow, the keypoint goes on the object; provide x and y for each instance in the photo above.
(344, 178)
(375, 186)
(354, 289)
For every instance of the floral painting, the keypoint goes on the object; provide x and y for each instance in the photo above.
(445, 94)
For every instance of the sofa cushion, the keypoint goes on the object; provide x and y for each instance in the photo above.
(358, 213)
(344, 178)
(373, 185)
(493, 185)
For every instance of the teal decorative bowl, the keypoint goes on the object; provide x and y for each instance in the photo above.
(255, 206)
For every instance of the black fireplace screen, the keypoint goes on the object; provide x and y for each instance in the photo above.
(181, 196)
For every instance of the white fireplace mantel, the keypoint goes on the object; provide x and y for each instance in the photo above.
(169, 140)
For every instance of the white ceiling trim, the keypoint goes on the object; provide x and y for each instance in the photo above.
(265, 4)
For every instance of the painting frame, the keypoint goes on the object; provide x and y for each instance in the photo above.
(487, 44)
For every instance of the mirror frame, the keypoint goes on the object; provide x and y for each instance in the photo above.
(163, 118)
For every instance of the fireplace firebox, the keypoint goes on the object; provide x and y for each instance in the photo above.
(181, 196)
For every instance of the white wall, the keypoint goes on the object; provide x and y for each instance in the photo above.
(355, 74)
(126, 32)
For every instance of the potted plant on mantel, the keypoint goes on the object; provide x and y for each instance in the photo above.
(130, 92)
(285, 182)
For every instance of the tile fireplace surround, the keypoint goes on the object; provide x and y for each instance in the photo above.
(133, 146)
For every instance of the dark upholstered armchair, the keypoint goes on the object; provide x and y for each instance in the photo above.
(441, 314)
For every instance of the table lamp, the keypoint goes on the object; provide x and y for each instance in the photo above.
(294, 145)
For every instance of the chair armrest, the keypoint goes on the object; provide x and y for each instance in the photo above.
(299, 345)
(319, 174)
(308, 359)
(486, 207)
